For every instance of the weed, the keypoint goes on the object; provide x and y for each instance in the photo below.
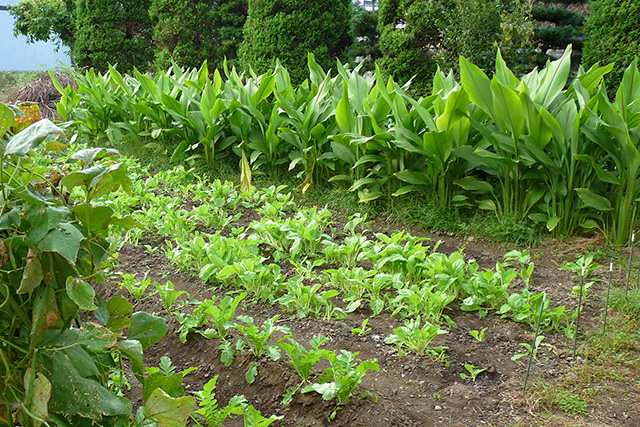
(473, 372)
(478, 335)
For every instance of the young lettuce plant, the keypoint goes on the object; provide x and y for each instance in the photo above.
(473, 372)
(302, 360)
(169, 295)
(416, 337)
(258, 338)
(342, 378)
(207, 312)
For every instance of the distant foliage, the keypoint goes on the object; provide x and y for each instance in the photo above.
(366, 43)
(45, 20)
(410, 37)
(558, 26)
(472, 30)
(417, 36)
(113, 32)
(289, 29)
(190, 32)
(607, 43)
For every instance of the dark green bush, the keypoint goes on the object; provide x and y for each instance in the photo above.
(559, 37)
(410, 38)
(417, 36)
(612, 36)
(190, 32)
(113, 32)
(472, 30)
(288, 29)
(558, 16)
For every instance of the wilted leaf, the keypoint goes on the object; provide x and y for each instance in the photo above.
(40, 395)
(32, 276)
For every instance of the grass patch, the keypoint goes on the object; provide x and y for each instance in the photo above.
(610, 366)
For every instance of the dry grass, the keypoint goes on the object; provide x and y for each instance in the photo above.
(43, 92)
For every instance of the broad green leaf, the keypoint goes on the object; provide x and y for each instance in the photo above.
(71, 372)
(94, 218)
(267, 84)
(132, 350)
(31, 137)
(553, 79)
(508, 106)
(168, 411)
(471, 183)
(476, 83)
(119, 312)
(488, 205)
(552, 222)
(629, 89)
(504, 75)
(147, 328)
(455, 109)
(42, 219)
(81, 293)
(90, 155)
(97, 338)
(405, 190)
(344, 115)
(594, 200)
(64, 239)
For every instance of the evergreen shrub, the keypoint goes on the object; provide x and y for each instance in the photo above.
(288, 29)
(113, 32)
(612, 36)
(192, 31)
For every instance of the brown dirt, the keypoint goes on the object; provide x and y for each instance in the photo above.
(413, 390)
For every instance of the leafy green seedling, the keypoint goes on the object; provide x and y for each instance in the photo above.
(529, 349)
(302, 360)
(416, 337)
(473, 372)
(363, 330)
(258, 338)
(478, 335)
(169, 295)
(343, 376)
(135, 287)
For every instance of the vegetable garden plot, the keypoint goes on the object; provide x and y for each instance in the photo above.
(316, 319)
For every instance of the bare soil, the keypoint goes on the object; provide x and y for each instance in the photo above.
(413, 390)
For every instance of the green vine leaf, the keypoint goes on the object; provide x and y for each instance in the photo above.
(64, 239)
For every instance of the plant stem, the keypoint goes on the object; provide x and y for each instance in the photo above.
(533, 345)
(575, 341)
(606, 305)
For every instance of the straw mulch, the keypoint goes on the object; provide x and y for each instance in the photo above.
(43, 92)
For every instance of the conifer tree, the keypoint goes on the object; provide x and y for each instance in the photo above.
(612, 36)
(192, 31)
(113, 32)
(288, 29)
